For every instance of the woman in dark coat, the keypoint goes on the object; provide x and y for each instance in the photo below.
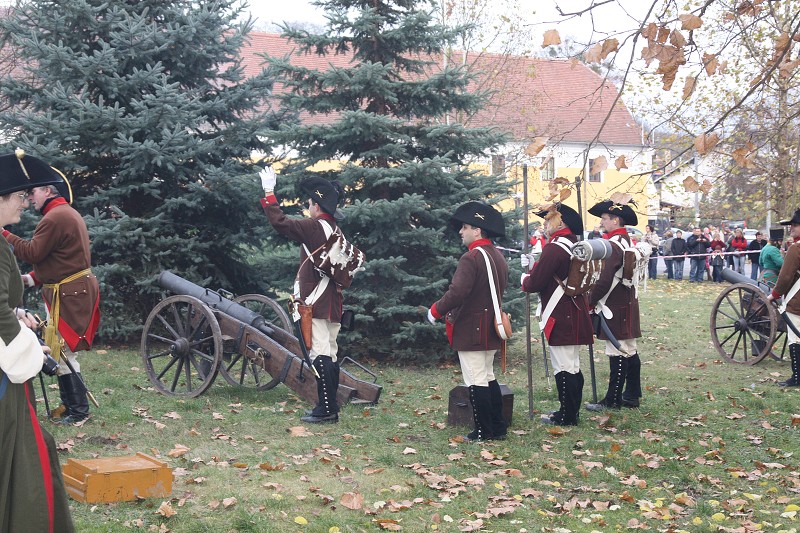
(568, 326)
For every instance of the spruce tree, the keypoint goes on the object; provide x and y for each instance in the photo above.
(146, 108)
(389, 118)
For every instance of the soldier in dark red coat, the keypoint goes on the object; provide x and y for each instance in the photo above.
(618, 302)
(469, 311)
(311, 286)
(567, 325)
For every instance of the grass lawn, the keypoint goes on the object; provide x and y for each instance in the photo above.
(714, 447)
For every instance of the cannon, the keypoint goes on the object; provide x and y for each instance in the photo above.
(745, 326)
(197, 333)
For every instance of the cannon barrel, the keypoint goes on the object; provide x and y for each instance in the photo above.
(731, 276)
(178, 285)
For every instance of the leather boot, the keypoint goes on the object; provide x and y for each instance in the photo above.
(327, 408)
(794, 355)
(480, 397)
(556, 418)
(62, 411)
(499, 422)
(337, 369)
(633, 383)
(570, 395)
(77, 402)
(613, 400)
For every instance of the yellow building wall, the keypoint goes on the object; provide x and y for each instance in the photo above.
(612, 181)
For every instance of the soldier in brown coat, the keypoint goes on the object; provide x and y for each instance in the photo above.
(619, 305)
(787, 278)
(470, 318)
(60, 254)
(311, 286)
(567, 325)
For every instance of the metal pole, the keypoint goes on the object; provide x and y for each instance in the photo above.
(525, 243)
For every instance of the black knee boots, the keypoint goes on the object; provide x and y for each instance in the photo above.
(327, 408)
(633, 382)
(481, 400)
(499, 422)
(570, 395)
(794, 355)
(73, 393)
(618, 369)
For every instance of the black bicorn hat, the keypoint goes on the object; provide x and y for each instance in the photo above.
(20, 172)
(569, 216)
(326, 193)
(481, 216)
(794, 220)
(776, 234)
(624, 211)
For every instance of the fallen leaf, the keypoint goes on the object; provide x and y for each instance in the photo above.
(299, 431)
(352, 500)
(166, 510)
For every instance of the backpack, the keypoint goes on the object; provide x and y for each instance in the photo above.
(337, 258)
(586, 263)
(634, 262)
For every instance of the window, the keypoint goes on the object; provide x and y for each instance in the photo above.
(548, 169)
(498, 164)
(595, 177)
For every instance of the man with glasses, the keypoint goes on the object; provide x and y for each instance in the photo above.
(61, 259)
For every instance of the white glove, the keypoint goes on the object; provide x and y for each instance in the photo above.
(27, 280)
(268, 179)
(522, 279)
(526, 260)
(431, 318)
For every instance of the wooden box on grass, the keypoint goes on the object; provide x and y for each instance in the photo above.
(117, 479)
(459, 409)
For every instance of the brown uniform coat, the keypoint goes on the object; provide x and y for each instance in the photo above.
(58, 249)
(572, 323)
(622, 301)
(309, 232)
(468, 301)
(787, 278)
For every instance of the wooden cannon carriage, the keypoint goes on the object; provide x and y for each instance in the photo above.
(745, 326)
(192, 336)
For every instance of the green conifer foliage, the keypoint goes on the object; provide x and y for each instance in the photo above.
(392, 119)
(146, 108)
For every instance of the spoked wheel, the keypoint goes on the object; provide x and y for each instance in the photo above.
(236, 368)
(743, 324)
(181, 346)
(779, 347)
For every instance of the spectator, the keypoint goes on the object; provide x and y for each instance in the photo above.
(667, 246)
(717, 263)
(651, 238)
(717, 241)
(679, 251)
(738, 246)
(596, 233)
(698, 248)
(771, 259)
(754, 249)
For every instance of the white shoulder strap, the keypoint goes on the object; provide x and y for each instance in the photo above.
(789, 295)
(497, 316)
(323, 283)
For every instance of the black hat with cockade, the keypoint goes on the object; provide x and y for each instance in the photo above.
(20, 172)
(794, 220)
(481, 216)
(326, 193)
(569, 216)
(624, 211)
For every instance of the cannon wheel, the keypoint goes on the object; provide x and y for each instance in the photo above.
(743, 324)
(237, 369)
(181, 346)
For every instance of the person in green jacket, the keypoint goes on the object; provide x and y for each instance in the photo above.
(771, 258)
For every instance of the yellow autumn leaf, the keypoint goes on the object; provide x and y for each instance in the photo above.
(697, 520)
(718, 517)
(334, 529)
(792, 507)
(300, 520)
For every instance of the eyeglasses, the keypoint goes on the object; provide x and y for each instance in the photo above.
(23, 195)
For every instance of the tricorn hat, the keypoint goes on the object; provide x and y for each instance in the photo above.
(326, 193)
(20, 172)
(624, 211)
(569, 216)
(776, 234)
(481, 216)
(794, 220)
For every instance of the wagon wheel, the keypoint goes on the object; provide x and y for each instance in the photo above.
(779, 347)
(181, 346)
(236, 368)
(743, 324)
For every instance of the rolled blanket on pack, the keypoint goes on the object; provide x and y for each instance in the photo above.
(591, 250)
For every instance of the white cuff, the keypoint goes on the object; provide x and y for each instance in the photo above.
(22, 358)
